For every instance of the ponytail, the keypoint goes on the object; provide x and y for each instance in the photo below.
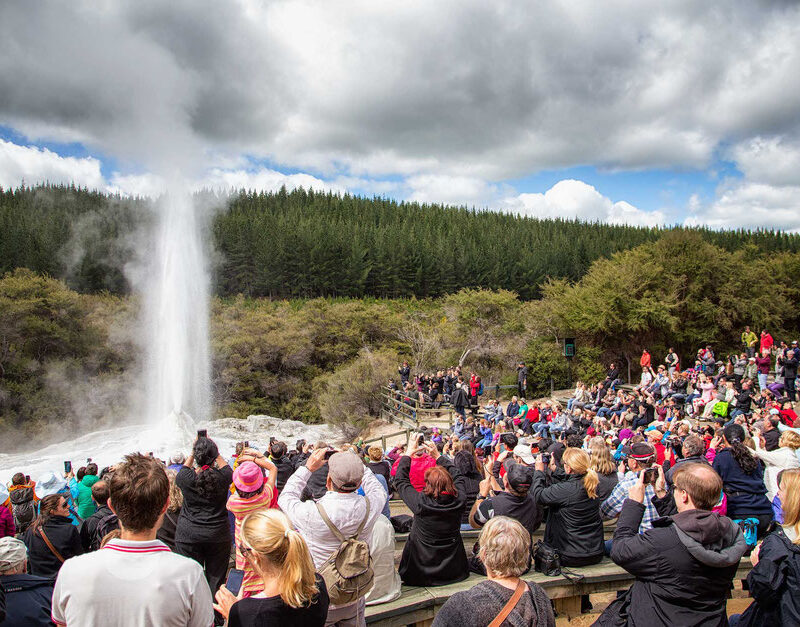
(282, 553)
(734, 435)
(297, 584)
(590, 483)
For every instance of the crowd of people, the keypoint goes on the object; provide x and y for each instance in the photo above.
(311, 536)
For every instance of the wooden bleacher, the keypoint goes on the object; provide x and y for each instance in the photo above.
(417, 606)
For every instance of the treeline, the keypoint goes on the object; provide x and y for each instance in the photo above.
(303, 244)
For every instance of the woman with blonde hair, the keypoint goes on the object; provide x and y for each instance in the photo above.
(505, 547)
(574, 527)
(603, 464)
(292, 593)
(781, 458)
(774, 580)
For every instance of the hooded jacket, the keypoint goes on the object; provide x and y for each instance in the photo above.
(22, 506)
(84, 502)
(7, 526)
(683, 566)
(773, 583)
(27, 600)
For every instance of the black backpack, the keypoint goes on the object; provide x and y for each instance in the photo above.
(105, 525)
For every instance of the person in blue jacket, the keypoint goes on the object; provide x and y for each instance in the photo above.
(27, 597)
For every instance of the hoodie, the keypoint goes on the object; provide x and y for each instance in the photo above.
(684, 567)
(85, 504)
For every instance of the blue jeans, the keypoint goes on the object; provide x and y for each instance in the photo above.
(762, 381)
(466, 527)
(542, 429)
(607, 547)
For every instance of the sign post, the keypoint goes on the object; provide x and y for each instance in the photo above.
(569, 353)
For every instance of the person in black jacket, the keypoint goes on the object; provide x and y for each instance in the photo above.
(790, 364)
(775, 578)
(277, 454)
(29, 596)
(434, 554)
(202, 532)
(574, 527)
(684, 566)
(54, 524)
(459, 400)
(94, 528)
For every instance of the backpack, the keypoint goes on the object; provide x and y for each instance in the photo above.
(480, 389)
(348, 571)
(23, 509)
(104, 526)
(749, 527)
(720, 409)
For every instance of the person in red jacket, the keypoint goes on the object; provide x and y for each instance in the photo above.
(766, 342)
(644, 362)
(7, 526)
(420, 462)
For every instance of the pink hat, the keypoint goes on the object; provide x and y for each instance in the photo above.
(248, 477)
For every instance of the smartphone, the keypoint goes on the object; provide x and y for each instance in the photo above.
(202, 433)
(67, 467)
(545, 458)
(650, 475)
(234, 582)
(328, 453)
(27, 478)
(420, 440)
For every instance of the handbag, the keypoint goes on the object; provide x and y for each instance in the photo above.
(512, 603)
(720, 409)
(546, 559)
(50, 545)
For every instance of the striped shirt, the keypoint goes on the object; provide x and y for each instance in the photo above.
(240, 508)
(141, 584)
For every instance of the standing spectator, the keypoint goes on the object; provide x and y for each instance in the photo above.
(52, 538)
(405, 373)
(203, 532)
(766, 343)
(505, 547)
(646, 360)
(672, 362)
(169, 524)
(94, 528)
(573, 527)
(522, 379)
(347, 510)
(790, 374)
(684, 566)
(135, 580)
(291, 592)
(774, 580)
(434, 553)
(762, 366)
(85, 504)
(28, 596)
(459, 400)
(253, 494)
(7, 526)
(742, 477)
(23, 498)
(284, 466)
(749, 341)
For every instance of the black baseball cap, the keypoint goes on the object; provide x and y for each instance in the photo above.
(519, 477)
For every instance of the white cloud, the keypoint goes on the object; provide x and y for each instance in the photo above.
(770, 160)
(571, 199)
(750, 206)
(35, 165)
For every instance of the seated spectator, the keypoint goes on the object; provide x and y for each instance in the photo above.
(387, 584)
(253, 493)
(23, 498)
(742, 477)
(573, 527)
(602, 463)
(505, 547)
(94, 528)
(203, 533)
(378, 465)
(136, 579)
(684, 565)
(350, 513)
(169, 524)
(85, 505)
(778, 459)
(640, 457)
(434, 553)
(769, 430)
(7, 526)
(27, 596)
(467, 466)
(420, 462)
(290, 592)
(693, 451)
(52, 538)
(774, 580)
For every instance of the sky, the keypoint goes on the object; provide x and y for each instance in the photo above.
(634, 112)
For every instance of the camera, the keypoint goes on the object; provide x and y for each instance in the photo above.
(650, 476)
(328, 453)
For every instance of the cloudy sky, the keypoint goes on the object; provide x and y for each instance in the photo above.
(638, 112)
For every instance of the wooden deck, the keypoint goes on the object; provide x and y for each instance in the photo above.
(418, 606)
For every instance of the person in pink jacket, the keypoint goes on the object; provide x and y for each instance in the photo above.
(7, 527)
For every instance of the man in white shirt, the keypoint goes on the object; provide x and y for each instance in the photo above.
(346, 510)
(134, 580)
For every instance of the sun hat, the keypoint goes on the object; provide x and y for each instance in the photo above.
(12, 552)
(523, 451)
(3, 493)
(49, 483)
(248, 477)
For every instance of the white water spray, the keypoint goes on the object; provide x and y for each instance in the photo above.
(177, 307)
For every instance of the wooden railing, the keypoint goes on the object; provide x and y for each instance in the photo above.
(412, 414)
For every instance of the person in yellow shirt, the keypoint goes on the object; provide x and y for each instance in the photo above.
(749, 340)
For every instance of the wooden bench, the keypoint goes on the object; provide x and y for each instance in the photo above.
(418, 606)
